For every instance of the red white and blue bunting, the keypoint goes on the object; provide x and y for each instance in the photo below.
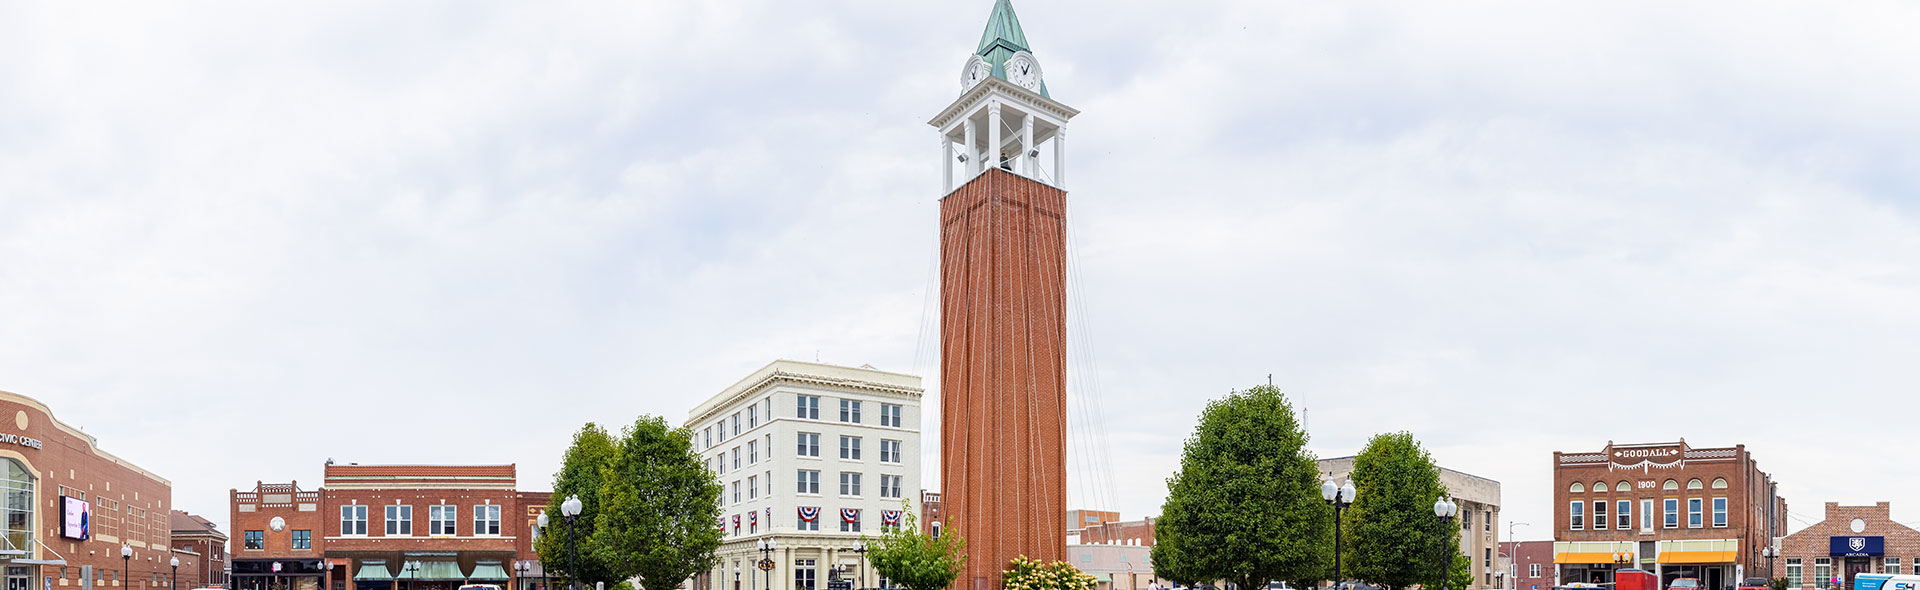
(890, 517)
(753, 519)
(723, 523)
(736, 523)
(809, 513)
(850, 514)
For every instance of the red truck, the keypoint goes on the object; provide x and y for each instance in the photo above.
(1635, 579)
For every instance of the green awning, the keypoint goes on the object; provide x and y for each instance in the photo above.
(372, 571)
(488, 571)
(432, 571)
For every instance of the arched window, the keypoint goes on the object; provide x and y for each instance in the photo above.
(1670, 485)
(1599, 487)
(1719, 483)
(16, 505)
(1577, 487)
(1694, 484)
(1622, 486)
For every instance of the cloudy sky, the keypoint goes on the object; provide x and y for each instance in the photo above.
(239, 239)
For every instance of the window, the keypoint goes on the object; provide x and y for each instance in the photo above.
(808, 525)
(256, 540)
(1599, 515)
(1719, 483)
(303, 539)
(809, 482)
(486, 519)
(753, 487)
(1625, 516)
(1599, 487)
(1694, 484)
(353, 519)
(736, 424)
(850, 448)
(399, 520)
(1693, 513)
(736, 457)
(1720, 512)
(736, 491)
(809, 444)
(889, 451)
(890, 415)
(849, 483)
(809, 410)
(753, 416)
(1672, 506)
(1533, 570)
(1793, 573)
(1822, 571)
(722, 460)
(1577, 488)
(708, 437)
(753, 452)
(1577, 519)
(441, 518)
(850, 525)
(1466, 521)
(1893, 565)
(722, 427)
(1486, 520)
(1646, 515)
(1622, 486)
(890, 486)
(1670, 485)
(769, 481)
(850, 411)
(803, 572)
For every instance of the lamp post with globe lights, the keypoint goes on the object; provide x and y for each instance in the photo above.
(1769, 552)
(1446, 510)
(174, 582)
(1340, 496)
(766, 561)
(541, 522)
(126, 562)
(571, 510)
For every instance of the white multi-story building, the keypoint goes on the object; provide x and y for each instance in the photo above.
(812, 457)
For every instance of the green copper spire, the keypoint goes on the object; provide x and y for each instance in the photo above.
(1002, 39)
(1003, 28)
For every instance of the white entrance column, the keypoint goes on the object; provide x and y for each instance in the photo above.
(946, 165)
(1029, 167)
(1060, 158)
(972, 153)
(993, 134)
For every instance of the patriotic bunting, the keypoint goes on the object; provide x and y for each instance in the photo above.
(736, 523)
(753, 519)
(850, 514)
(890, 517)
(723, 523)
(807, 513)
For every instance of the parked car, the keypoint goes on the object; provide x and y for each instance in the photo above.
(1753, 584)
(1278, 586)
(479, 587)
(1684, 584)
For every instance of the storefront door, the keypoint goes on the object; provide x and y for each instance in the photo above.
(1857, 565)
(19, 578)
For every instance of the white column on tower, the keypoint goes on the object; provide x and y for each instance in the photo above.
(972, 153)
(1060, 158)
(946, 162)
(993, 133)
(1028, 167)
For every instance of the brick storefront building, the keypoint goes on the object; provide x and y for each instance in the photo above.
(1132, 532)
(1850, 540)
(202, 549)
(382, 527)
(49, 470)
(1530, 564)
(1667, 508)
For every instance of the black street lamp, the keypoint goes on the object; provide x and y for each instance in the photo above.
(413, 573)
(571, 510)
(1340, 496)
(1446, 510)
(174, 581)
(861, 578)
(1621, 559)
(542, 523)
(766, 561)
(1769, 552)
(126, 560)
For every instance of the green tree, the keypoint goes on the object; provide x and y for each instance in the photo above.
(1245, 506)
(913, 559)
(580, 475)
(1461, 574)
(658, 507)
(1393, 538)
(1030, 574)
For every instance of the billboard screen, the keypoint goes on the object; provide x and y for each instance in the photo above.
(75, 519)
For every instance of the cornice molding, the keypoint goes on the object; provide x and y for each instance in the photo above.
(970, 100)
(778, 376)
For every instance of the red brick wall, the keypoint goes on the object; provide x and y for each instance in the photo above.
(1523, 555)
(1746, 493)
(1003, 378)
(1812, 542)
(119, 491)
(254, 510)
(1137, 532)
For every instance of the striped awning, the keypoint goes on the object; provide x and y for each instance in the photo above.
(488, 571)
(373, 570)
(432, 571)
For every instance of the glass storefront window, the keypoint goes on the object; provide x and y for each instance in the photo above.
(16, 507)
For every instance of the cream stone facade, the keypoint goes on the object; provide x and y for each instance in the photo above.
(812, 457)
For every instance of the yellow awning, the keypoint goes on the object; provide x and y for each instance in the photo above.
(1583, 557)
(1698, 556)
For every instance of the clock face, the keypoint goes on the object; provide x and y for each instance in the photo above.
(1023, 70)
(976, 70)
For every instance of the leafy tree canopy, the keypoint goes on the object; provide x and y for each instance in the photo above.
(1245, 506)
(658, 507)
(918, 561)
(580, 475)
(1393, 538)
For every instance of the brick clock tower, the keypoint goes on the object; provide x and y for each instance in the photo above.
(1003, 308)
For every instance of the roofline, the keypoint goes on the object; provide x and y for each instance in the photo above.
(92, 443)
